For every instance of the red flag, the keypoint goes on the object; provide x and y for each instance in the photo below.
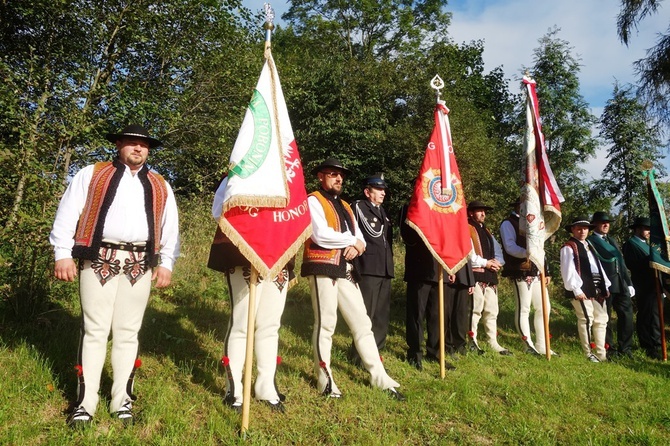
(265, 165)
(540, 197)
(437, 210)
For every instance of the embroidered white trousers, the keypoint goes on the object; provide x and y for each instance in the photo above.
(327, 296)
(529, 293)
(485, 308)
(117, 306)
(270, 301)
(591, 325)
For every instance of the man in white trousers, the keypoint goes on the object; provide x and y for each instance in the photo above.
(120, 220)
(327, 262)
(271, 292)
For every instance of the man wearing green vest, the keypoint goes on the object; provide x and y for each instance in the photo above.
(621, 290)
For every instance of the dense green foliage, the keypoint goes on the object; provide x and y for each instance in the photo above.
(625, 125)
(654, 69)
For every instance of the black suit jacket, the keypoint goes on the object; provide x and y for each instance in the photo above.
(374, 224)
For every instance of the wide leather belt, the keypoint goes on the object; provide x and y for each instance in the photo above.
(125, 246)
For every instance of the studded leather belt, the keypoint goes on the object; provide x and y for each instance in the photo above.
(125, 246)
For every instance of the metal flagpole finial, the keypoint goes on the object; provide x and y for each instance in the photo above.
(437, 84)
(268, 26)
(269, 17)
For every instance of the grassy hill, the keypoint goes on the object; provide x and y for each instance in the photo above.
(488, 399)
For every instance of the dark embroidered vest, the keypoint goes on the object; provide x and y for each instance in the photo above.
(101, 191)
(329, 262)
(482, 240)
(583, 267)
(515, 267)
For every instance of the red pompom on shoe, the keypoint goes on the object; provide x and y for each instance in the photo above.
(592, 345)
(278, 360)
(138, 363)
(225, 361)
(471, 334)
(79, 369)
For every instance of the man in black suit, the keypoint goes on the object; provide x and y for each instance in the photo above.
(621, 290)
(375, 265)
(421, 275)
(637, 255)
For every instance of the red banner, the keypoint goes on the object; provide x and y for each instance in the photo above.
(437, 210)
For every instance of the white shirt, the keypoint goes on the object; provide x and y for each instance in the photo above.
(571, 279)
(477, 261)
(325, 236)
(126, 219)
(508, 237)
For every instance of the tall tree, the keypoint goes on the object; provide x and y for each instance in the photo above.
(566, 119)
(366, 27)
(654, 69)
(626, 126)
(73, 70)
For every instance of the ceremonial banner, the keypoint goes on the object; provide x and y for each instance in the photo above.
(265, 212)
(658, 238)
(253, 176)
(540, 197)
(437, 210)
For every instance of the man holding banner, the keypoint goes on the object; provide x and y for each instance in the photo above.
(327, 263)
(261, 208)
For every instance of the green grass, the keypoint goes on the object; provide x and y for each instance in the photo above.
(489, 399)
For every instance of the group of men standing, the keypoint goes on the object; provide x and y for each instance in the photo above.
(120, 220)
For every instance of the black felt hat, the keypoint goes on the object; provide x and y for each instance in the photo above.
(601, 217)
(641, 221)
(134, 131)
(580, 220)
(332, 163)
(478, 205)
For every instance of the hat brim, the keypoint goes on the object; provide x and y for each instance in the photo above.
(569, 227)
(113, 137)
(321, 167)
(486, 208)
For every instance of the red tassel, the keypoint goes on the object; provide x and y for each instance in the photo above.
(607, 346)
(381, 358)
(138, 363)
(225, 361)
(322, 364)
(525, 338)
(278, 360)
(471, 334)
(592, 345)
(79, 369)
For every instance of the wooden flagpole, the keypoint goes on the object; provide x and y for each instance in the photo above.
(437, 84)
(545, 315)
(440, 288)
(251, 313)
(248, 360)
(659, 300)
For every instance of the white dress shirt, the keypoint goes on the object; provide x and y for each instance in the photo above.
(325, 236)
(126, 219)
(571, 278)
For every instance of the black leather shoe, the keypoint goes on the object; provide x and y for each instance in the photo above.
(532, 351)
(276, 407)
(79, 418)
(449, 366)
(125, 415)
(431, 358)
(474, 348)
(416, 363)
(505, 353)
(393, 393)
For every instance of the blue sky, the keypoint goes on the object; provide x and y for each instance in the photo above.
(511, 29)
